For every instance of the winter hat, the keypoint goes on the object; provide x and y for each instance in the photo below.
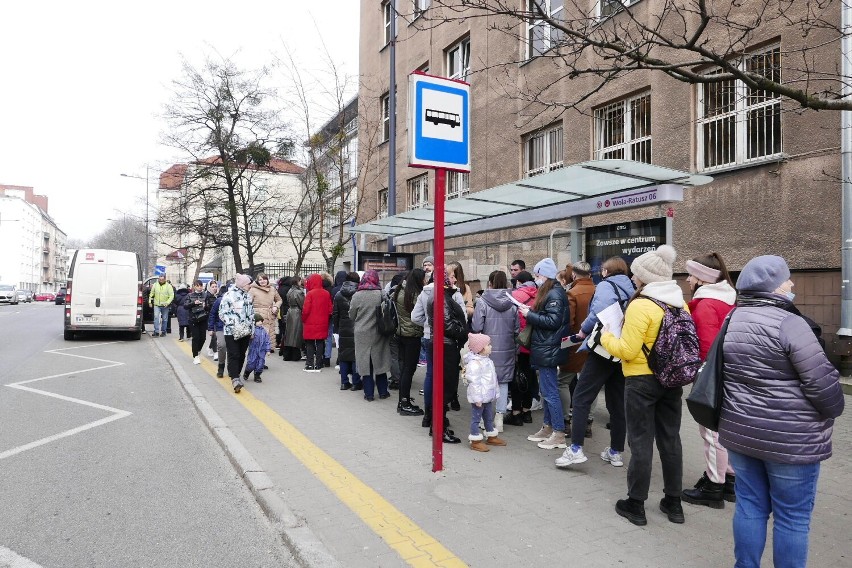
(242, 281)
(702, 272)
(763, 274)
(258, 317)
(430, 260)
(655, 266)
(546, 268)
(476, 342)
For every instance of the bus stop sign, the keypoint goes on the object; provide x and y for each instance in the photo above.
(438, 123)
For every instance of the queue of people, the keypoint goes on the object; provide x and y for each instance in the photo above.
(781, 393)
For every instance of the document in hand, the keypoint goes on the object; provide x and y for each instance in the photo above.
(612, 318)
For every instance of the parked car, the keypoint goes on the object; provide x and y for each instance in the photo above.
(60, 296)
(44, 297)
(8, 294)
(25, 296)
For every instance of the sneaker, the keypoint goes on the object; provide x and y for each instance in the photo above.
(337, 367)
(196, 360)
(541, 435)
(180, 338)
(536, 404)
(421, 363)
(611, 456)
(209, 352)
(216, 356)
(554, 441)
(571, 456)
(308, 369)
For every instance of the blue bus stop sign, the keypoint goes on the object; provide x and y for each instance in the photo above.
(438, 123)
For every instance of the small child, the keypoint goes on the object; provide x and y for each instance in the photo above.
(482, 390)
(258, 348)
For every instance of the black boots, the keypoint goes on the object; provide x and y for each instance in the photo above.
(513, 419)
(706, 493)
(454, 404)
(632, 510)
(673, 509)
(406, 408)
(730, 492)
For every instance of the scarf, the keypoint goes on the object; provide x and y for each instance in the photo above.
(370, 281)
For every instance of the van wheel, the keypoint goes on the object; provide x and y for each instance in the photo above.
(69, 335)
(136, 335)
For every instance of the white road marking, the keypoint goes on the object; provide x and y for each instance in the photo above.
(116, 413)
(9, 559)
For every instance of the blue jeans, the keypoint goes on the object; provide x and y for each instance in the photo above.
(553, 414)
(161, 318)
(380, 383)
(348, 368)
(787, 491)
(484, 413)
(427, 382)
(329, 342)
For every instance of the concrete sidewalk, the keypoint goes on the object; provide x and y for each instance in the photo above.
(355, 483)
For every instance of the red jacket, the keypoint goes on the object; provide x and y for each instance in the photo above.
(316, 313)
(708, 314)
(525, 295)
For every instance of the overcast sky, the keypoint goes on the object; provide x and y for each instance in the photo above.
(83, 83)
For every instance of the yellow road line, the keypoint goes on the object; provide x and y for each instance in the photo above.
(413, 544)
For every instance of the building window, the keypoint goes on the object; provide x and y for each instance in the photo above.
(738, 124)
(458, 60)
(387, 10)
(385, 104)
(421, 6)
(543, 151)
(607, 8)
(458, 184)
(418, 192)
(542, 36)
(383, 203)
(623, 130)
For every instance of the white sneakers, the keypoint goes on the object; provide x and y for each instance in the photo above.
(209, 352)
(572, 455)
(196, 360)
(613, 457)
(216, 356)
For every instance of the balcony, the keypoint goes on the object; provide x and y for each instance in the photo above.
(46, 236)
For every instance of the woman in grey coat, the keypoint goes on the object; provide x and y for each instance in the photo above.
(496, 316)
(372, 349)
(293, 340)
(780, 398)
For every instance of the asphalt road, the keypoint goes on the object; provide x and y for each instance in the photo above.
(104, 461)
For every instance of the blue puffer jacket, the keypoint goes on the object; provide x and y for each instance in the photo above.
(781, 393)
(550, 325)
(605, 296)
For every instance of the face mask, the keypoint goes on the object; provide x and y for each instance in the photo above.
(790, 295)
(540, 282)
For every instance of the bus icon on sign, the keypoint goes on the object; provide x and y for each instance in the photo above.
(437, 117)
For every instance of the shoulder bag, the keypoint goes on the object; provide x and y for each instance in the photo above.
(705, 399)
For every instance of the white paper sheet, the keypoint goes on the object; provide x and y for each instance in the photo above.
(612, 319)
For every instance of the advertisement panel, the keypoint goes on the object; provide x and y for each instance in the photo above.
(627, 240)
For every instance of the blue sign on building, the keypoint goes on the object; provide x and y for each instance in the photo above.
(439, 123)
(159, 270)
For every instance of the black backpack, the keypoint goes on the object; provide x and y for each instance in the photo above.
(386, 316)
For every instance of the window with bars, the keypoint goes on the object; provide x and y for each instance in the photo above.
(382, 203)
(607, 8)
(458, 60)
(458, 184)
(418, 192)
(421, 6)
(623, 130)
(541, 35)
(739, 124)
(543, 151)
(385, 104)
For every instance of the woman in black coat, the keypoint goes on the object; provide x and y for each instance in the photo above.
(344, 327)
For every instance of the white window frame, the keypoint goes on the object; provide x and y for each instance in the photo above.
(633, 125)
(418, 192)
(608, 8)
(384, 104)
(387, 8)
(547, 144)
(739, 112)
(458, 184)
(421, 6)
(382, 203)
(463, 49)
(550, 36)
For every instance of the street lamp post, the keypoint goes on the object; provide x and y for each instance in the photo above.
(147, 226)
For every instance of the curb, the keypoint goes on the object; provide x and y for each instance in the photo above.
(846, 385)
(303, 544)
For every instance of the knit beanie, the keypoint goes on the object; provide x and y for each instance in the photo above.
(702, 272)
(242, 281)
(763, 274)
(546, 268)
(655, 266)
(429, 259)
(476, 342)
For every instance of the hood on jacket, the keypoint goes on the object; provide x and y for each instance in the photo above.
(182, 292)
(348, 288)
(314, 281)
(667, 292)
(527, 290)
(497, 299)
(721, 291)
(339, 278)
(624, 283)
(259, 287)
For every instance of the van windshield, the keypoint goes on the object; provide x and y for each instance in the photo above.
(6, 287)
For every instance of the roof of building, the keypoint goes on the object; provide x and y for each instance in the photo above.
(174, 176)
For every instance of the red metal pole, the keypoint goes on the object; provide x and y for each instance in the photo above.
(438, 325)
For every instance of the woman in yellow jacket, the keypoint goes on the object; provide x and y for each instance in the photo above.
(652, 410)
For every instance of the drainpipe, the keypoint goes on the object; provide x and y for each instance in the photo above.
(844, 334)
(392, 125)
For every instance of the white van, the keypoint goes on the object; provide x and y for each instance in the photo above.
(104, 293)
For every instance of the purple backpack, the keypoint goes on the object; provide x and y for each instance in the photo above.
(674, 357)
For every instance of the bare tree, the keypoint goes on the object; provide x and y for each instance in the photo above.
(224, 119)
(693, 41)
(126, 233)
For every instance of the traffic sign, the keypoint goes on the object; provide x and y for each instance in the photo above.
(438, 123)
(159, 270)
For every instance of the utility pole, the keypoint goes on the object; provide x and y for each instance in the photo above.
(392, 121)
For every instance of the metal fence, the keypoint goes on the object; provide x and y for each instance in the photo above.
(276, 270)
